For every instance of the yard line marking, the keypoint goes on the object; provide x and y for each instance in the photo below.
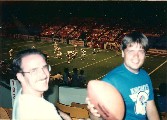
(157, 68)
(91, 64)
(148, 74)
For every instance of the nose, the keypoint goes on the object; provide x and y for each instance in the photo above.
(136, 54)
(43, 73)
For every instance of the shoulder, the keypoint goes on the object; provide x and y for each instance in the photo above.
(114, 74)
(143, 73)
(116, 71)
(29, 105)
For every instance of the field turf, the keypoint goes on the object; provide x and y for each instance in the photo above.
(104, 61)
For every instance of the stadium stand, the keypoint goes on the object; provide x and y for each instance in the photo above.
(157, 52)
(74, 104)
(5, 113)
(74, 112)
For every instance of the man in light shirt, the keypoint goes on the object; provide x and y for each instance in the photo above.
(32, 71)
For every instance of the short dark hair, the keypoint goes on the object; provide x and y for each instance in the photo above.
(135, 37)
(16, 65)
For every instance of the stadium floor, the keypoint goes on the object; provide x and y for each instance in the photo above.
(104, 61)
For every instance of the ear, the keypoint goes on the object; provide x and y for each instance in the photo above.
(122, 53)
(20, 77)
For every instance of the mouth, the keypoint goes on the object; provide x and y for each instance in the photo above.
(135, 62)
(42, 81)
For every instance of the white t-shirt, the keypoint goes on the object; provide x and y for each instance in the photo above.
(30, 107)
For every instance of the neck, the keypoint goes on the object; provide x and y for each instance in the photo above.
(135, 71)
(30, 92)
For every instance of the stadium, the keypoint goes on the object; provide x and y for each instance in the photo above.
(86, 43)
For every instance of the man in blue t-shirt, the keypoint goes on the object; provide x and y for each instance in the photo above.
(132, 82)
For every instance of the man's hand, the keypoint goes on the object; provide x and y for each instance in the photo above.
(91, 108)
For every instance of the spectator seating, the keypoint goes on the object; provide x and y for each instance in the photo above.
(74, 104)
(157, 52)
(74, 112)
(9, 111)
(5, 113)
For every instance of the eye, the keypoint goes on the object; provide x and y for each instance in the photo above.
(45, 67)
(131, 51)
(142, 51)
(34, 71)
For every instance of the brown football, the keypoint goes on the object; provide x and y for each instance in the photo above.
(106, 99)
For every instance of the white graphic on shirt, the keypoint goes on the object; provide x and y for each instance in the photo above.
(139, 95)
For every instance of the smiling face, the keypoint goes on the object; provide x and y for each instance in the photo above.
(35, 82)
(134, 56)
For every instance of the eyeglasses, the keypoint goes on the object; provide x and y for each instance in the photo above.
(140, 52)
(37, 70)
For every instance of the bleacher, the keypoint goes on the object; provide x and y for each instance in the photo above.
(157, 52)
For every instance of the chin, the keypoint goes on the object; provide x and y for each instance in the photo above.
(43, 88)
(135, 66)
(46, 88)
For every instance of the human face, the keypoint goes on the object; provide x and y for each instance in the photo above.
(34, 83)
(134, 56)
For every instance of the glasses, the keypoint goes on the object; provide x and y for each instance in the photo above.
(140, 52)
(36, 71)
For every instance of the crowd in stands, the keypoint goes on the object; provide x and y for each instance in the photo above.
(87, 30)
(74, 79)
(95, 31)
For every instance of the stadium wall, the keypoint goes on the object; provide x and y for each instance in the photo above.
(65, 95)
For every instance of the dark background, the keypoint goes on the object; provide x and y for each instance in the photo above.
(148, 13)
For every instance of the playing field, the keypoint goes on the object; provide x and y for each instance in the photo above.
(104, 61)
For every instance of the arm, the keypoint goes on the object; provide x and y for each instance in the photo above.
(152, 112)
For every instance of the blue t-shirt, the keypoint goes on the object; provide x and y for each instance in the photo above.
(136, 90)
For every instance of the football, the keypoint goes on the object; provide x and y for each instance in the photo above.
(106, 99)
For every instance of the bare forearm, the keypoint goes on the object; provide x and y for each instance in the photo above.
(154, 116)
(152, 112)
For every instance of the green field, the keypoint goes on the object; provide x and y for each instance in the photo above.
(105, 61)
